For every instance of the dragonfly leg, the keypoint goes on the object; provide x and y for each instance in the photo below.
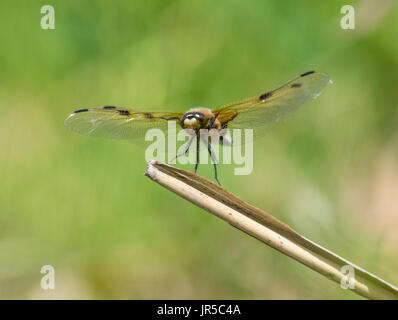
(187, 146)
(215, 174)
(213, 159)
(211, 122)
(197, 151)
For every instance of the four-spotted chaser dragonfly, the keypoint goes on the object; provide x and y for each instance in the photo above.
(259, 113)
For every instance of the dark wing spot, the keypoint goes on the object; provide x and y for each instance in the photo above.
(306, 73)
(80, 110)
(224, 124)
(296, 85)
(148, 115)
(109, 107)
(265, 96)
(124, 112)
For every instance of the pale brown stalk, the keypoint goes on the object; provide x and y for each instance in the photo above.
(267, 229)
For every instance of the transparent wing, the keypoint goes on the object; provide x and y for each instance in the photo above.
(117, 123)
(265, 111)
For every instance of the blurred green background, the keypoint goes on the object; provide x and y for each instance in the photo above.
(84, 206)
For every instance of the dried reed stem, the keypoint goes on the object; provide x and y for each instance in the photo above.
(267, 229)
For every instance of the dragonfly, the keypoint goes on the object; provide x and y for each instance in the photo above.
(260, 113)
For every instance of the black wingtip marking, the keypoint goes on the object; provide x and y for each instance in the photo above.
(296, 85)
(109, 107)
(265, 96)
(80, 110)
(124, 112)
(306, 73)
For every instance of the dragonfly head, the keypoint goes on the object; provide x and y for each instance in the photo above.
(194, 120)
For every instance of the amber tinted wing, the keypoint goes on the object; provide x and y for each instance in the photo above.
(117, 123)
(263, 112)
